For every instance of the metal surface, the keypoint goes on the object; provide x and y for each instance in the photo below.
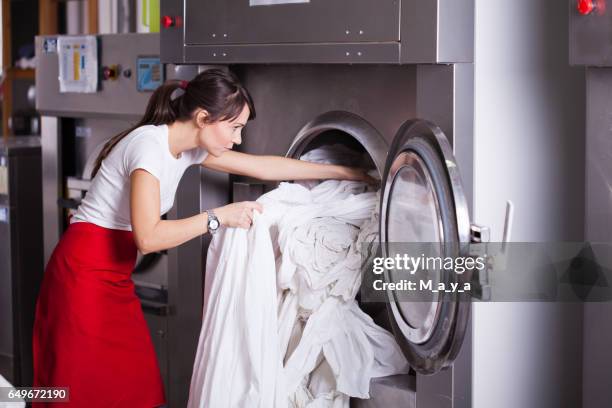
(21, 255)
(349, 53)
(351, 125)
(114, 97)
(232, 21)
(590, 35)
(51, 182)
(597, 330)
(171, 41)
(440, 31)
(598, 155)
(185, 289)
(287, 97)
(343, 31)
(390, 392)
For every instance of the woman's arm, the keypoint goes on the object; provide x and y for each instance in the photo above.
(280, 168)
(152, 234)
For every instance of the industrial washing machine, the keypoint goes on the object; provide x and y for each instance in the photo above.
(399, 87)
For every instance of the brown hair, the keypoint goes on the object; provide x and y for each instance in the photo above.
(217, 91)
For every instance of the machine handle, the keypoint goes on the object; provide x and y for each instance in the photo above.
(508, 225)
(498, 261)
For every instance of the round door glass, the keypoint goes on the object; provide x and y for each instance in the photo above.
(414, 217)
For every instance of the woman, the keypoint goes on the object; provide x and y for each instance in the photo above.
(90, 333)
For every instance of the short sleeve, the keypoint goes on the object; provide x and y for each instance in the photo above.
(143, 152)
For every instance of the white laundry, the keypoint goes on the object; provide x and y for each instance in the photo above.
(238, 361)
(17, 402)
(281, 327)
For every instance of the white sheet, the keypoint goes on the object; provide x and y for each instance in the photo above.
(281, 326)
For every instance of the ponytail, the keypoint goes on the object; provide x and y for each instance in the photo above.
(217, 91)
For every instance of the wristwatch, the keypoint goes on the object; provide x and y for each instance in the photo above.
(213, 222)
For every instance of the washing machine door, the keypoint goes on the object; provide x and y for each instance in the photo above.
(423, 202)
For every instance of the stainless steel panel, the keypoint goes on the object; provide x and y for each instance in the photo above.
(455, 31)
(597, 330)
(185, 292)
(289, 96)
(52, 183)
(590, 35)
(599, 155)
(171, 39)
(437, 31)
(348, 53)
(341, 31)
(396, 391)
(445, 96)
(352, 126)
(451, 387)
(236, 22)
(114, 97)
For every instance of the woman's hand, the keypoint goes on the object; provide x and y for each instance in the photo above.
(356, 174)
(237, 214)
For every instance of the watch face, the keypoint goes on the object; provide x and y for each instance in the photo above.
(214, 224)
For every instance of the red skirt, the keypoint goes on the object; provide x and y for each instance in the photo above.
(90, 333)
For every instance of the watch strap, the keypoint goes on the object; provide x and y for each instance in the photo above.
(212, 220)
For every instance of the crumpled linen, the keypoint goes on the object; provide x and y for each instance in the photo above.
(281, 327)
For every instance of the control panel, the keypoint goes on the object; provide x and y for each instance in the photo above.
(115, 80)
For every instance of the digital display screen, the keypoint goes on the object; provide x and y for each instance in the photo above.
(150, 73)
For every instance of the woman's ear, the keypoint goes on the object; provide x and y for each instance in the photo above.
(201, 118)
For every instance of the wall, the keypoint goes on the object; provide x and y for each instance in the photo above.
(529, 148)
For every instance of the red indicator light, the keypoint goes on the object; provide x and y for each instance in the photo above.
(586, 7)
(167, 22)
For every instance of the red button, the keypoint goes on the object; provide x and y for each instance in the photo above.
(586, 6)
(110, 72)
(167, 21)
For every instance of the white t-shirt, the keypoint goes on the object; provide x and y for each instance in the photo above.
(107, 203)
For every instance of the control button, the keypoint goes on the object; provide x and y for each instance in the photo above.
(127, 73)
(167, 22)
(110, 72)
(586, 7)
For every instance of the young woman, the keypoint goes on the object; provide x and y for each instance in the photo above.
(90, 333)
